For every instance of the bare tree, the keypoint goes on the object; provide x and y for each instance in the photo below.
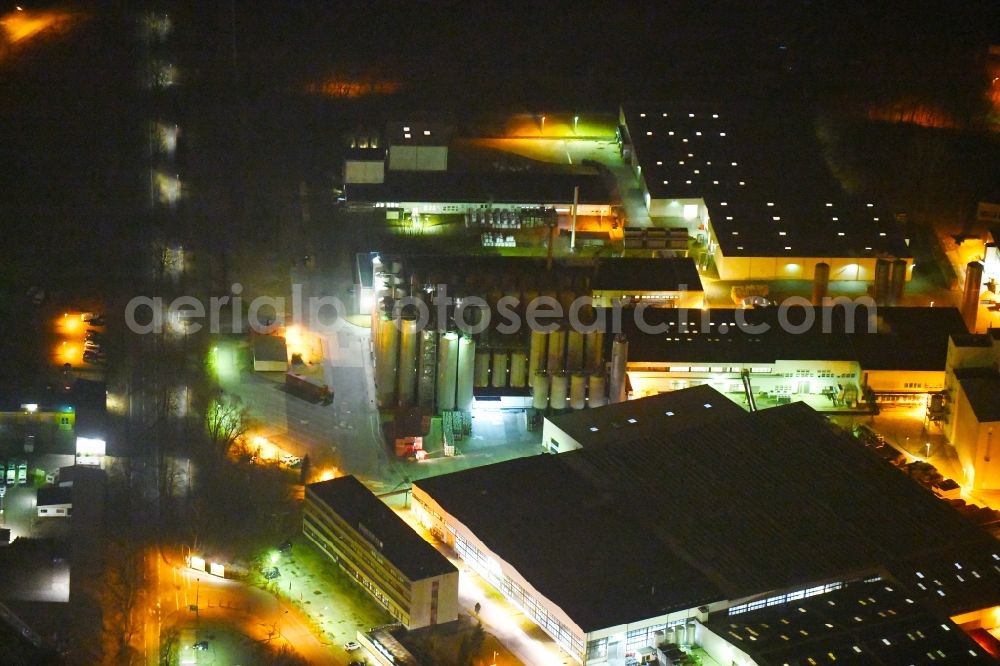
(227, 420)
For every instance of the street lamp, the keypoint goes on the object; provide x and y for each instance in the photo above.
(928, 448)
(543, 125)
(576, 119)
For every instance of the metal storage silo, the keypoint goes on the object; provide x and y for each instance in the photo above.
(466, 370)
(897, 282)
(498, 378)
(971, 294)
(574, 350)
(559, 384)
(447, 377)
(518, 369)
(881, 286)
(821, 282)
(536, 354)
(427, 370)
(598, 396)
(557, 350)
(577, 390)
(481, 376)
(386, 362)
(594, 350)
(619, 378)
(408, 344)
(540, 391)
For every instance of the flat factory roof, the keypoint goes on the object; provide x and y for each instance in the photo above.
(763, 178)
(667, 413)
(377, 523)
(982, 388)
(667, 274)
(481, 188)
(759, 502)
(904, 338)
(871, 623)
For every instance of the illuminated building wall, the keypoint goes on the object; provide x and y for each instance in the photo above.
(415, 603)
(973, 423)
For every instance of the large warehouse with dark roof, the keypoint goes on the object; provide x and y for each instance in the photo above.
(761, 194)
(608, 547)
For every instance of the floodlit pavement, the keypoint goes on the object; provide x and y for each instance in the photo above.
(508, 623)
(252, 611)
(505, 621)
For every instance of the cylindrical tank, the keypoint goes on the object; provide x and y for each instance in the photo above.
(971, 293)
(466, 370)
(447, 378)
(598, 390)
(481, 376)
(427, 370)
(536, 354)
(821, 282)
(557, 350)
(689, 633)
(881, 287)
(408, 344)
(498, 378)
(577, 390)
(559, 384)
(595, 350)
(566, 298)
(540, 390)
(518, 369)
(574, 350)
(619, 360)
(897, 282)
(386, 362)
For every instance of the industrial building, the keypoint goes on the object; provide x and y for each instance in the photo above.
(635, 419)
(971, 407)
(465, 194)
(417, 585)
(682, 537)
(436, 368)
(763, 207)
(847, 354)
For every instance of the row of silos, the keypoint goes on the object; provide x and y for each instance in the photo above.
(565, 348)
(455, 372)
(561, 390)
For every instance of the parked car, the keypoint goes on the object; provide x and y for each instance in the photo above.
(351, 646)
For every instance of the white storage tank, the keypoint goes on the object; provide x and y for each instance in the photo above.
(557, 350)
(558, 391)
(578, 391)
(481, 376)
(386, 362)
(498, 378)
(466, 369)
(594, 350)
(540, 391)
(409, 343)
(598, 393)
(619, 378)
(518, 369)
(574, 350)
(447, 378)
(536, 354)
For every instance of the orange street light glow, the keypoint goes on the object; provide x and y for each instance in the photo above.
(21, 25)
